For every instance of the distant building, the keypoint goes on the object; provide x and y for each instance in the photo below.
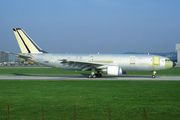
(178, 52)
(4, 57)
(178, 55)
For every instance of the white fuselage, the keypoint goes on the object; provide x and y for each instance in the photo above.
(128, 62)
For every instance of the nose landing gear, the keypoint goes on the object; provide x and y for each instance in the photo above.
(153, 76)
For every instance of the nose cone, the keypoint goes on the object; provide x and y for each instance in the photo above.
(174, 64)
(169, 64)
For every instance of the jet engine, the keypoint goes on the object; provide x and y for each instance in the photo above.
(113, 70)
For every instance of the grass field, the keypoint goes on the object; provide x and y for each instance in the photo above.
(53, 71)
(92, 98)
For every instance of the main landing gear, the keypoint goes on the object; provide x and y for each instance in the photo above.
(153, 76)
(94, 75)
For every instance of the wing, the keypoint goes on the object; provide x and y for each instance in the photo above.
(84, 65)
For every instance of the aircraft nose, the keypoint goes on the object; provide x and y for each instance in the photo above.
(174, 64)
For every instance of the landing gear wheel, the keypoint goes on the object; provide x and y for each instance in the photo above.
(153, 76)
(99, 75)
(90, 76)
(94, 76)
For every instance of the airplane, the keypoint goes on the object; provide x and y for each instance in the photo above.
(112, 64)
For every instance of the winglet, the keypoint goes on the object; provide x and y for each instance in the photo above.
(26, 44)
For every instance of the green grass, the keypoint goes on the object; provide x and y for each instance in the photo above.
(38, 71)
(92, 100)
(53, 71)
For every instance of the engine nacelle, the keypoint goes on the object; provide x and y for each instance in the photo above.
(113, 70)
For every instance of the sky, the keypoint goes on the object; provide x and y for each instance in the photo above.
(92, 26)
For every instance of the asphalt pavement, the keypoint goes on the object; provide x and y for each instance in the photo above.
(83, 77)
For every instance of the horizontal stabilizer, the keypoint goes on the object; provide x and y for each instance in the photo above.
(21, 55)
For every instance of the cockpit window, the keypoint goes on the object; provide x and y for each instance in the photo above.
(167, 60)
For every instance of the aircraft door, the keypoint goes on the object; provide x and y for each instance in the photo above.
(156, 62)
(132, 59)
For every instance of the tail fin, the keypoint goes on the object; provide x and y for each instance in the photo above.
(26, 44)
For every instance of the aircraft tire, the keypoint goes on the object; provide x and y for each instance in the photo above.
(94, 76)
(153, 76)
(99, 75)
(90, 76)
